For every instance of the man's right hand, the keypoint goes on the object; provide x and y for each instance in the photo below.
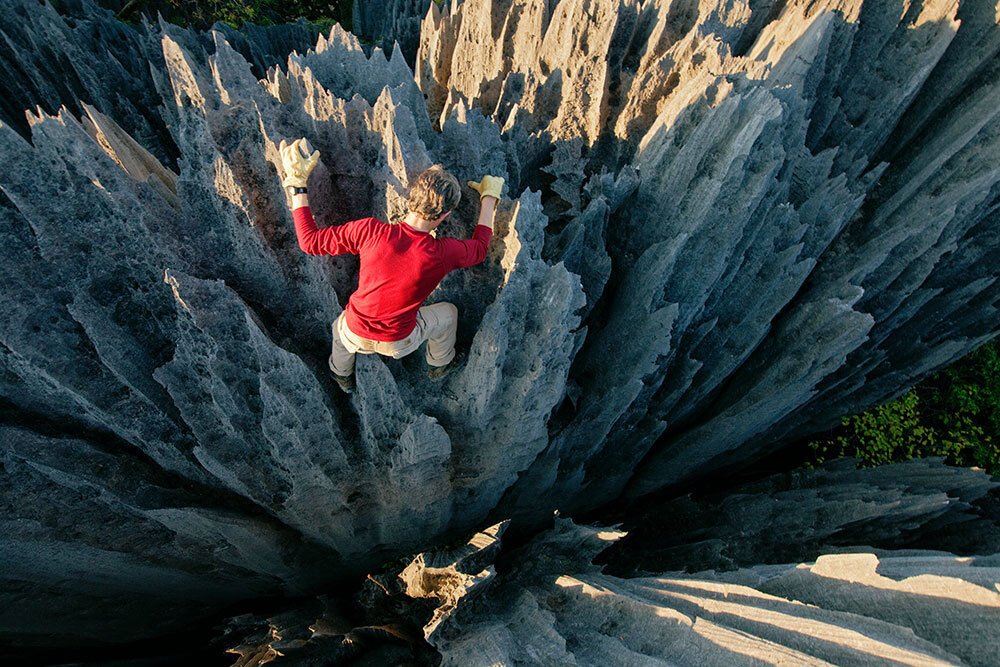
(489, 186)
(296, 163)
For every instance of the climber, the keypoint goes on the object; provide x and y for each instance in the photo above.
(401, 264)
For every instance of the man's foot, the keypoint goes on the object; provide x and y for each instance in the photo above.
(437, 373)
(345, 382)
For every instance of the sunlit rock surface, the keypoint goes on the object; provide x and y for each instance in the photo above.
(386, 622)
(911, 608)
(725, 225)
(548, 603)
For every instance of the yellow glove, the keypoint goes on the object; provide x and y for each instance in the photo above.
(296, 163)
(488, 187)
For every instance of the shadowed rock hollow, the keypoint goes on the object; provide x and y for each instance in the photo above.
(720, 583)
(726, 225)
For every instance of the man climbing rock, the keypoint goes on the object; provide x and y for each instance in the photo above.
(401, 264)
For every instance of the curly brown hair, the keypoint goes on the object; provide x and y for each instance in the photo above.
(434, 192)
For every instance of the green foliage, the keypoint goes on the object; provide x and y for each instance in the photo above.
(954, 413)
(232, 12)
(203, 13)
(887, 433)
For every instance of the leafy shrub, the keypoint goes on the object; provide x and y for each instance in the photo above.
(234, 12)
(955, 413)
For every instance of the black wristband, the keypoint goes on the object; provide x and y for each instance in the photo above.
(298, 191)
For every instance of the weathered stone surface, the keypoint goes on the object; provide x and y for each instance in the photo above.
(389, 24)
(927, 608)
(392, 614)
(724, 226)
(93, 524)
(803, 514)
(757, 134)
(854, 604)
(84, 55)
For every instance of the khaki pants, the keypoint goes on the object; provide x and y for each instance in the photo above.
(436, 324)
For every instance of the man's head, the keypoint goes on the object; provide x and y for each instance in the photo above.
(434, 193)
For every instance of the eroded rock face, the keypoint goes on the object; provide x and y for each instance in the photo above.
(772, 270)
(803, 514)
(389, 24)
(725, 226)
(855, 603)
(927, 608)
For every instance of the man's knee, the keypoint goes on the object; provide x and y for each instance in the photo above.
(439, 318)
(449, 313)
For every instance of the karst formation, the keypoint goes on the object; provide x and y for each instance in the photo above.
(724, 226)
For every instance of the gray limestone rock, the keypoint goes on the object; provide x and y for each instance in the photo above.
(98, 532)
(389, 24)
(803, 514)
(549, 603)
(392, 614)
(723, 227)
(757, 142)
(897, 607)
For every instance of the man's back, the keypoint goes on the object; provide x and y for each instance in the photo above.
(400, 267)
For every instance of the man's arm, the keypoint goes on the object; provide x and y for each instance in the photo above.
(487, 206)
(473, 251)
(298, 161)
(329, 240)
(305, 225)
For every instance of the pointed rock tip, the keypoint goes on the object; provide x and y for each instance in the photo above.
(218, 38)
(396, 56)
(322, 43)
(171, 280)
(40, 115)
(386, 97)
(34, 117)
(344, 37)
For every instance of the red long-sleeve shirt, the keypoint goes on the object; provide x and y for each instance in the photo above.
(400, 267)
